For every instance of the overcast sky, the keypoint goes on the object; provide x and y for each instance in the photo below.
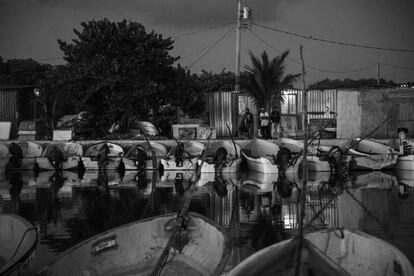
(30, 29)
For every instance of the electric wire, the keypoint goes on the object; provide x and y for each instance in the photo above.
(226, 34)
(396, 66)
(202, 30)
(309, 66)
(310, 37)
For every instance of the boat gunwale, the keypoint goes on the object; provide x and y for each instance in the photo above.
(29, 252)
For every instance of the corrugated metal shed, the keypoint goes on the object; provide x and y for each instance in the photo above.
(13, 105)
(223, 110)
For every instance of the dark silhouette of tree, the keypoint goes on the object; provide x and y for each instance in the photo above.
(116, 68)
(351, 84)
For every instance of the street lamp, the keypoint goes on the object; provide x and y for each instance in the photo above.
(36, 93)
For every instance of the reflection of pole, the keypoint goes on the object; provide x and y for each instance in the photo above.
(304, 168)
(238, 39)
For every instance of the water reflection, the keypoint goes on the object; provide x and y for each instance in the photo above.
(257, 209)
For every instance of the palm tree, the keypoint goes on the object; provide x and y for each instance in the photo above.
(264, 80)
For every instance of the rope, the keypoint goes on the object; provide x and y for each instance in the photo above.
(21, 240)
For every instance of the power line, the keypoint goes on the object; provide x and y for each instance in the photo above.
(226, 34)
(398, 67)
(309, 66)
(202, 30)
(310, 37)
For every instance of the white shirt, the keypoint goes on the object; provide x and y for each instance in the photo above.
(264, 118)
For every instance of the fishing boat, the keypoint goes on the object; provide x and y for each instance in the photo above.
(169, 178)
(405, 177)
(370, 146)
(261, 155)
(183, 156)
(328, 252)
(140, 156)
(295, 146)
(221, 156)
(18, 240)
(314, 164)
(370, 155)
(202, 248)
(405, 162)
(360, 161)
(24, 155)
(60, 156)
(103, 155)
(232, 178)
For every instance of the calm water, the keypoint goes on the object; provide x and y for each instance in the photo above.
(257, 209)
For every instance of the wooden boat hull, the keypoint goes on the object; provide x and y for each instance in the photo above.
(18, 240)
(329, 252)
(405, 162)
(134, 249)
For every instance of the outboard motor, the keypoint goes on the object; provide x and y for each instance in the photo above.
(220, 186)
(220, 158)
(56, 157)
(141, 179)
(178, 183)
(103, 156)
(140, 158)
(283, 158)
(178, 155)
(16, 155)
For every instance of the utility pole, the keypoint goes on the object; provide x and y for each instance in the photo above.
(238, 39)
(243, 21)
(378, 74)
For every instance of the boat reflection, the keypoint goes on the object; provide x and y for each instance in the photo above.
(258, 209)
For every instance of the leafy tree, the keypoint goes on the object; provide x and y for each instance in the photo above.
(116, 69)
(210, 82)
(264, 80)
(23, 72)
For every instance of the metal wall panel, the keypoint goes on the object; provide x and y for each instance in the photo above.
(321, 103)
(223, 109)
(8, 107)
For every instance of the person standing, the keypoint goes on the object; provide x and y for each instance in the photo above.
(275, 119)
(248, 122)
(264, 123)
